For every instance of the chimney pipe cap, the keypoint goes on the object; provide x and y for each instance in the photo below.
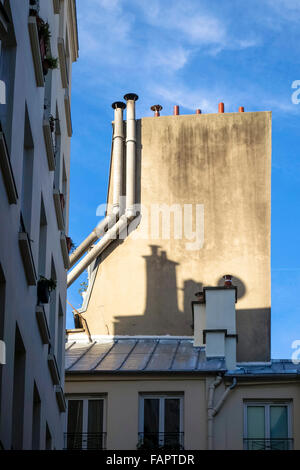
(118, 104)
(131, 96)
(227, 280)
(156, 107)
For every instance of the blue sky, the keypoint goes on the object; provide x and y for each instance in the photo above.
(195, 54)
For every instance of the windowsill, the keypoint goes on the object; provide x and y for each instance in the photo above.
(62, 62)
(52, 364)
(58, 209)
(28, 263)
(35, 49)
(64, 250)
(60, 397)
(56, 6)
(43, 324)
(49, 145)
(7, 172)
(68, 113)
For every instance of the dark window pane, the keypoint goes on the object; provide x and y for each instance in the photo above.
(172, 422)
(279, 427)
(75, 409)
(95, 424)
(151, 422)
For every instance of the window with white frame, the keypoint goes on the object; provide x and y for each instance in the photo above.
(161, 421)
(267, 425)
(86, 423)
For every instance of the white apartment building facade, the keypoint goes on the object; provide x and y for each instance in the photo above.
(39, 43)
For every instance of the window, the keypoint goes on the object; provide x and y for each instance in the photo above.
(85, 424)
(36, 418)
(18, 392)
(2, 318)
(48, 438)
(60, 338)
(7, 77)
(64, 189)
(268, 426)
(42, 240)
(27, 177)
(161, 421)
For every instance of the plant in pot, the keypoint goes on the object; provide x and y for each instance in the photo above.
(49, 62)
(52, 122)
(70, 244)
(44, 288)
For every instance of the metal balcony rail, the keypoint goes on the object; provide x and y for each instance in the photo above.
(268, 444)
(161, 440)
(85, 441)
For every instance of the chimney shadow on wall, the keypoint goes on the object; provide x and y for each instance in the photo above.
(162, 315)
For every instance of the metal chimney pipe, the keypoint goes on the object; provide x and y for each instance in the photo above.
(130, 98)
(221, 107)
(176, 110)
(118, 153)
(198, 111)
(227, 280)
(241, 109)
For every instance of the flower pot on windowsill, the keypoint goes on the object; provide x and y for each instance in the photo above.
(70, 244)
(52, 123)
(44, 288)
(49, 63)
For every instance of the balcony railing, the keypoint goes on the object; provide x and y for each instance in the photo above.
(85, 441)
(268, 444)
(161, 440)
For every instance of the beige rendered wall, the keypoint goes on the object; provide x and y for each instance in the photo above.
(145, 286)
(229, 423)
(122, 401)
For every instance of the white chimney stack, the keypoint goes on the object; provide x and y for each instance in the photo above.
(215, 322)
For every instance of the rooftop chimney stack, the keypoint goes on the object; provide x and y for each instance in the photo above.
(221, 108)
(176, 110)
(215, 322)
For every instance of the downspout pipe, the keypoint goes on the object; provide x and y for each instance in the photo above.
(118, 155)
(129, 215)
(130, 98)
(212, 410)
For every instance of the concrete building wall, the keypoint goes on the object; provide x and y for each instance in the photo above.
(122, 406)
(19, 298)
(145, 284)
(229, 423)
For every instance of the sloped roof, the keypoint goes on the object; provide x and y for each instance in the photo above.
(139, 355)
(159, 355)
